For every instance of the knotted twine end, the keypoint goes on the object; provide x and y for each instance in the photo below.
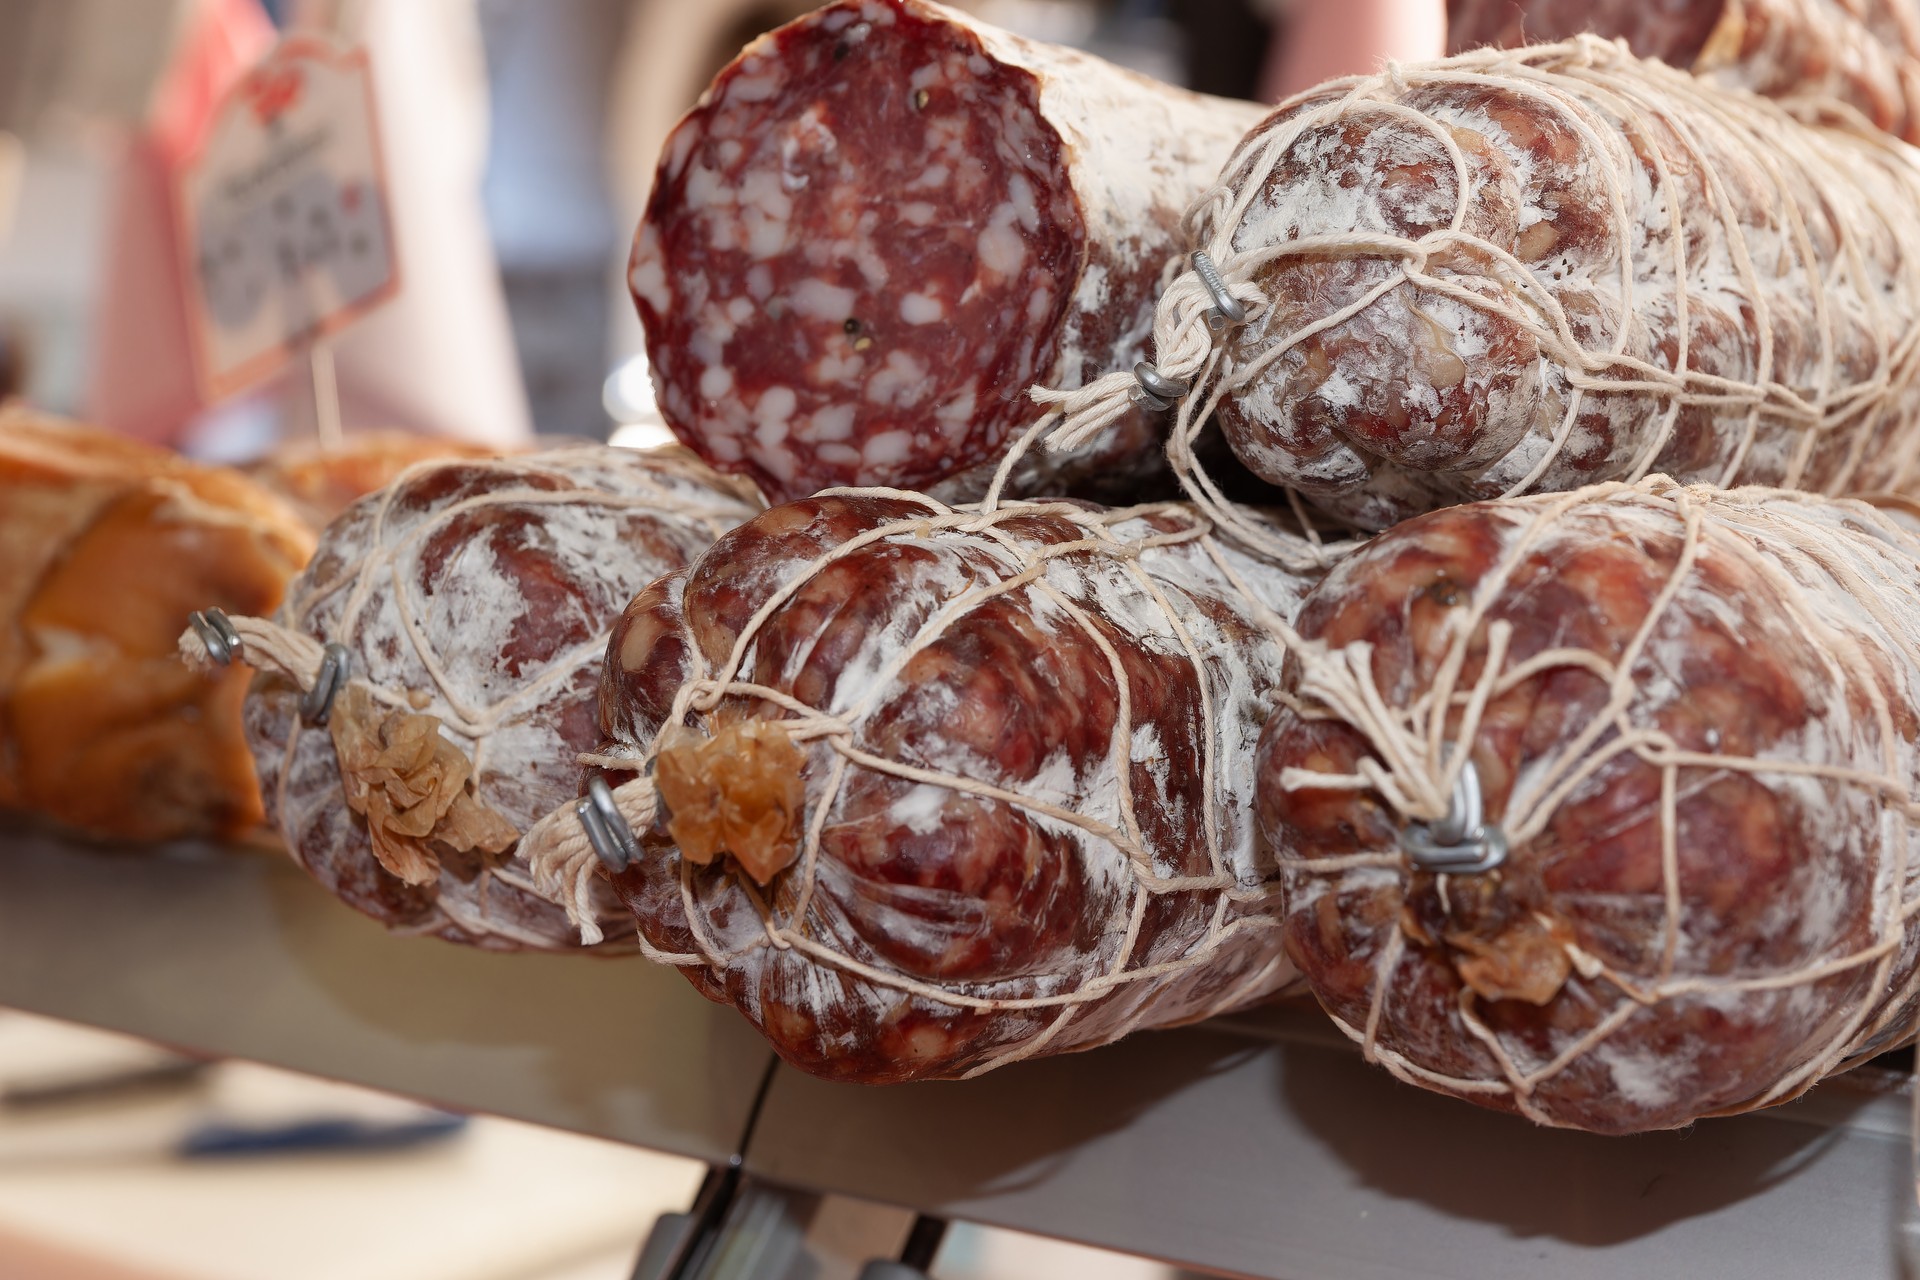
(1196, 307)
(739, 793)
(413, 786)
(561, 857)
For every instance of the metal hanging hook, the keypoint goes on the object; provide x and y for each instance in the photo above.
(1461, 842)
(1157, 391)
(317, 704)
(216, 632)
(606, 827)
(1227, 309)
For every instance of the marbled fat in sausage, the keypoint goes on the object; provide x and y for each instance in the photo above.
(1533, 270)
(1100, 693)
(479, 593)
(1861, 53)
(885, 221)
(1699, 734)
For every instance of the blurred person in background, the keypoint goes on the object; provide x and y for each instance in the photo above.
(127, 89)
(1324, 39)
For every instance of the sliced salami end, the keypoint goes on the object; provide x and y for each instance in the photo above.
(858, 253)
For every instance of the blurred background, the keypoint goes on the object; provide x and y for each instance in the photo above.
(122, 1161)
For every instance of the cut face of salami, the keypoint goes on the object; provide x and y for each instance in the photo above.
(939, 790)
(885, 221)
(473, 598)
(1693, 716)
(1861, 53)
(1529, 271)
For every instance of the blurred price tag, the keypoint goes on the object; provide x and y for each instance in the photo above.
(284, 218)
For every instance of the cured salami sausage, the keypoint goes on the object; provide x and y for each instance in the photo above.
(1863, 53)
(1689, 718)
(885, 221)
(936, 790)
(1532, 270)
(473, 599)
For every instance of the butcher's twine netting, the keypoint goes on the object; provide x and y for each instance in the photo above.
(421, 806)
(1659, 105)
(1826, 561)
(565, 866)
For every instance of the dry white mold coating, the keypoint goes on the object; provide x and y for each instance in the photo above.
(1695, 715)
(479, 593)
(1020, 745)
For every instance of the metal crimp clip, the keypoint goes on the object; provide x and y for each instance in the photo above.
(1227, 309)
(606, 827)
(1157, 391)
(317, 704)
(1460, 843)
(216, 632)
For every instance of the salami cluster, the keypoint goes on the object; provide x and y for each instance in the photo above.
(885, 221)
(1527, 271)
(1862, 53)
(928, 790)
(1691, 715)
(472, 599)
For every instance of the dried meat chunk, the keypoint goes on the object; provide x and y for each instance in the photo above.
(106, 545)
(321, 481)
(1525, 271)
(1021, 742)
(883, 222)
(474, 597)
(1694, 717)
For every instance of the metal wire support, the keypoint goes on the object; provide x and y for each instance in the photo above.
(317, 704)
(606, 827)
(1462, 842)
(216, 631)
(1157, 391)
(1227, 309)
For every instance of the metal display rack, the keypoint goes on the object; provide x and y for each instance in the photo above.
(1257, 1146)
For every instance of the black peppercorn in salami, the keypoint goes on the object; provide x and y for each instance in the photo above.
(1693, 716)
(885, 221)
(473, 598)
(934, 790)
(1861, 53)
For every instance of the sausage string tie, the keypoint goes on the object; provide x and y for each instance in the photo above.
(424, 740)
(212, 639)
(570, 849)
(1813, 400)
(1419, 767)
